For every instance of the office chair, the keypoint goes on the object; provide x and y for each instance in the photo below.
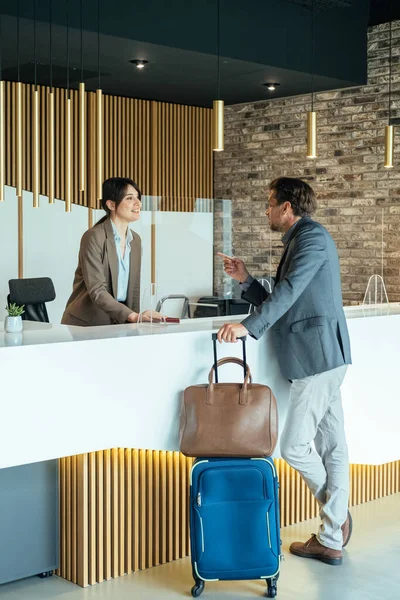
(33, 294)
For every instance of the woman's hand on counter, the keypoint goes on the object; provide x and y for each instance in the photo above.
(147, 316)
(133, 318)
(151, 315)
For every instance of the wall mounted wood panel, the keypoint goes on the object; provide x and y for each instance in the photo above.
(125, 510)
(166, 148)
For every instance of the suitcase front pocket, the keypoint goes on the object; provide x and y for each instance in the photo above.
(235, 536)
(232, 485)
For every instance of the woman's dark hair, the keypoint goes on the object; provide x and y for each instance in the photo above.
(115, 189)
(296, 191)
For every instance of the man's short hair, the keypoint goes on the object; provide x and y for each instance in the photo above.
(296, 191)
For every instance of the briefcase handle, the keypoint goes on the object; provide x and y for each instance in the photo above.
(231, 359)
(243, 340)
(242, 393)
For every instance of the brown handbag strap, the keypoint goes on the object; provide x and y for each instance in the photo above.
(243, 391)
(227, 360)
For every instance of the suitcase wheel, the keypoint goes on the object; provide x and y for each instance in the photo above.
(198, 588)
(272, 588)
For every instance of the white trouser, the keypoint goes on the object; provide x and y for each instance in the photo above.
(315, 413)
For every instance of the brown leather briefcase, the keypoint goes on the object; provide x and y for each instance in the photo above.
(228, 419)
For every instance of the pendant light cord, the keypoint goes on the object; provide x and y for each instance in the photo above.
(18, 70)
(34, 45)
(67, 9)
(81, 40)
(51, 43)
(98, 39)
(390, 61)
(1, 46)
(312, 55)
(218, 48)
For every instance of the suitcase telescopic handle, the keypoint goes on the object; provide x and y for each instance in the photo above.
(243, 340)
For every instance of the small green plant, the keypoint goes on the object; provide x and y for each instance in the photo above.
(14, 310)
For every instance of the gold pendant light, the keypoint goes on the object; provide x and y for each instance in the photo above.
(82, 119)
(99, 136)
(218, 105)
(99, 118)
(50, 156)
(68, 151)
(389, 146)
(36, 150)
(218, 125)
(312, 134)
(389, 130)
(312, 115)
(18, 153)
(68, 131)
(35, 119)
(50, 118)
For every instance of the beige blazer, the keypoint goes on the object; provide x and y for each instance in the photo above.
(93, 299)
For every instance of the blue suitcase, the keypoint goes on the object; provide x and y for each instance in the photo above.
(234, 521)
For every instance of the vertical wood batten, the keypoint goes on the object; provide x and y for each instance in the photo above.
(124, 510)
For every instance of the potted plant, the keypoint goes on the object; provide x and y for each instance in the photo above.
(13, 323)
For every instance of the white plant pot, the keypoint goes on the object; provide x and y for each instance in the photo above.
(13, 324)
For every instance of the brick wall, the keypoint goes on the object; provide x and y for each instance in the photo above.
(267, 139)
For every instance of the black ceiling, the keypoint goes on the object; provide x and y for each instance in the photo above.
(264, 40)
(383, 11)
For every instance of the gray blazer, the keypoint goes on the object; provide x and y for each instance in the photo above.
(305, 309)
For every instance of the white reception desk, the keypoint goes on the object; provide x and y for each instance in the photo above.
(71, 390)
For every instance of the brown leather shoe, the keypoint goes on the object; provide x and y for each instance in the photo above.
(313, 549)
(347, 529)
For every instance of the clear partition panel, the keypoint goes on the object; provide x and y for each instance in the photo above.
(178, 254)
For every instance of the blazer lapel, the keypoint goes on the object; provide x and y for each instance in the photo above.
(286, 250)
(112, 256)
(279, 270)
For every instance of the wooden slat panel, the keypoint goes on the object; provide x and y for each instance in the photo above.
(124, 510)
(100, 515)
(114, 514)
(189, 464)
(121, 510)
(183, 500)
(63, 512)
(170, 507)
(136, 510)
(163, 505)
(68, 521)
(92, 519)
(74, 520)
(156, 507)
(149, 508)
(143, 509)
(128, 511)
(107, 514)
(177, 512)
(83, 521)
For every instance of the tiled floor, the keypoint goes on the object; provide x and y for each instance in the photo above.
(370, 570)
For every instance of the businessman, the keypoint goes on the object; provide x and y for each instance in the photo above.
(304, 314)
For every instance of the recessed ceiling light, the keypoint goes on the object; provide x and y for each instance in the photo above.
(271, 86)
(140, 64)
